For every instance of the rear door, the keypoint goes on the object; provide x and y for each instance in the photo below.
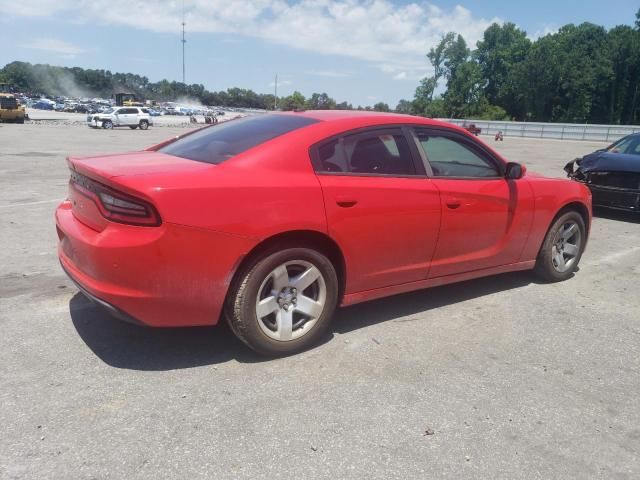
(381, 207)
(485, 217)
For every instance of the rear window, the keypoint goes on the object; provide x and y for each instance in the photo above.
(225, 140)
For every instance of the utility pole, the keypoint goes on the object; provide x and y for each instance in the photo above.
(183, 42)
(275, 94)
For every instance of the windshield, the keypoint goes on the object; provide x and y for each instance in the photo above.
(108, 110)
(629, 145)
(223, 141)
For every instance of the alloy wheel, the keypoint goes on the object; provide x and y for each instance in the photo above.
(290, 300)
(566, 246)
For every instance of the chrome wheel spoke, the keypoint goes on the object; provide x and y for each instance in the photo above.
(280, 278)
(570, 231)
(266, 306)
(305, 279)
(558, 259)
(309, 307)
(284, 324)
(570, 249)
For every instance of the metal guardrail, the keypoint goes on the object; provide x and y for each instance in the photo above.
(560, 131)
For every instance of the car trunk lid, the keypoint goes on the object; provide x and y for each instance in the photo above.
(134, 163)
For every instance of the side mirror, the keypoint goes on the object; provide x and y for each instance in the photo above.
(514, 171)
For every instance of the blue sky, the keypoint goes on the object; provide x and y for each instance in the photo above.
(361, 51)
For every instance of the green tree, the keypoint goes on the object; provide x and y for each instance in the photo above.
(381, 107)
(295, 101)
(501, 50)
(404, 106)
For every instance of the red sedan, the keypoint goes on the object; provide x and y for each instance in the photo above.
(271, 221)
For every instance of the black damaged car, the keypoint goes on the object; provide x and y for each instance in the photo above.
(612, 174)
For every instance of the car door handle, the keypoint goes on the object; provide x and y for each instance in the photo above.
(453, 203)
(346, 202)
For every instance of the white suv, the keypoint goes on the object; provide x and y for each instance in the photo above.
(132, 117)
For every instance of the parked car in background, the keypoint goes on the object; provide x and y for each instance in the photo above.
(132, 117)
(271, 221)
(152, 112)
(472, 129)
(612, 174)
(43, 105)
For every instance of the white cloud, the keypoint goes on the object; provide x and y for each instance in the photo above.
(400, 76)
(51, 45)
(394, 37)
(327, 73)
(544, 31)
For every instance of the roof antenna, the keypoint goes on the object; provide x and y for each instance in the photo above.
(183, 42)
(275, 94)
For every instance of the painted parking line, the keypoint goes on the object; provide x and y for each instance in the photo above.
(27, 204)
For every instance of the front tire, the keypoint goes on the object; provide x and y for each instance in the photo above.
(107, 125)
(284, 301)
(562, 248)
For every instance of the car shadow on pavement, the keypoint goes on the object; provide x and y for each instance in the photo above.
(618, 215)
(365, 314)
(124, 345)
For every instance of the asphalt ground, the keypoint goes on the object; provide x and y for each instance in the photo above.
(500, 378)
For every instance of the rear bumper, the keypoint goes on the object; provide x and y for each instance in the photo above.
(165, 276)
(112, 309)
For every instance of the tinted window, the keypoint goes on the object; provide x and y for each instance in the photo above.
(374, 153)
(220, 142)
(451, 158)
(629, 145)
(331, 157)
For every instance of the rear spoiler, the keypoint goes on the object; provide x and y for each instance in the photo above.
(158, 146)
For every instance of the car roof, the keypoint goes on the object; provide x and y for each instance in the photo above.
(328, 115)
(364, 118)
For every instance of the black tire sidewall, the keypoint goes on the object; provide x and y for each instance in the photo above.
(107, 125)
(544, 263)
(241, 314)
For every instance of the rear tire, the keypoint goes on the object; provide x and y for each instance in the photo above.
(133, 127)
(144, 124)
(283, 302)
(562, 248)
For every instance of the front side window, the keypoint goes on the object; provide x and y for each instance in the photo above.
(370, 153)
(222, 141)
(449, 157)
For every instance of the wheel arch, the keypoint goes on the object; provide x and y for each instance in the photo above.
(297, 238)
(575, 206)
(579, 207)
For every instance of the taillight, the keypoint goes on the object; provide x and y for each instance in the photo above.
(114, 205)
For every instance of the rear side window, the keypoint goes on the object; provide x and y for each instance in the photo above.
(370, 153)
(225, 140)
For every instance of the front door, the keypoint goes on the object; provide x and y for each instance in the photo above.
(485, 217)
